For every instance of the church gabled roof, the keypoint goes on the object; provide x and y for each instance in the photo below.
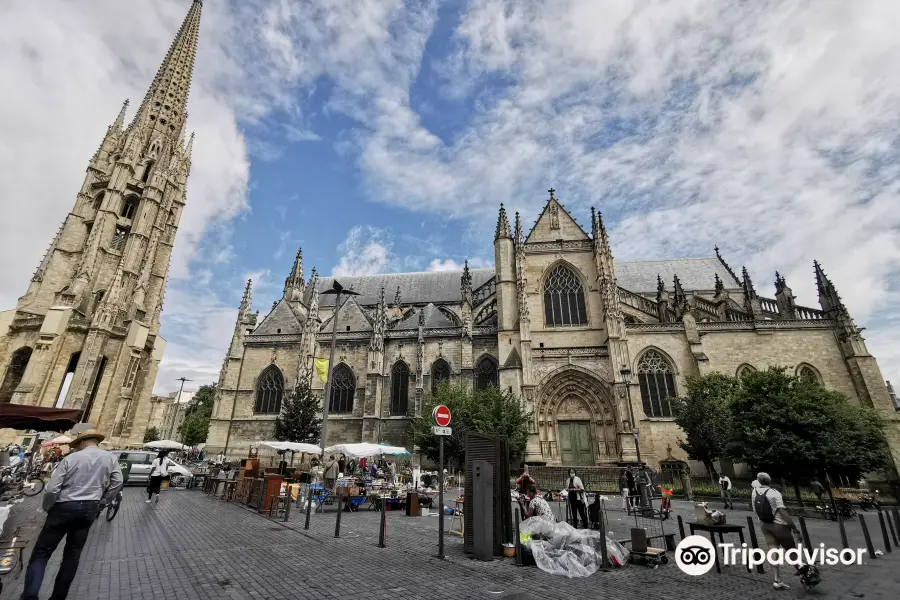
(415, 288)
(351, 315)
(281, 319)
(434, 318)
(550, 227)
(640, 276)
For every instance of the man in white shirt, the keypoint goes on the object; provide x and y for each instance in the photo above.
(777, 526)
(78, 485)
(577, 505)
(725, 484)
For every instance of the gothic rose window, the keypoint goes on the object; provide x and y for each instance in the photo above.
(657, 383)
(400, 389)
(343, 386)
(269, 391)
(486, 374)
(564, 299)
(440, 372)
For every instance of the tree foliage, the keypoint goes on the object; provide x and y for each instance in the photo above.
(703, 414)
(489, 411)
(195, 427)
(795, 428)
(152, 434)
(298, 421)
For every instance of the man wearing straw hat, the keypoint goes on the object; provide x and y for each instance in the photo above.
(83, 480)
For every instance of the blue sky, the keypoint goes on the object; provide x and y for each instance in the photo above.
(381, 135)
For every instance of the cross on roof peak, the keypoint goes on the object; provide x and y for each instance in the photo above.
(552, 192)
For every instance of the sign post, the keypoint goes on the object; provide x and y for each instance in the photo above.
(441, 416)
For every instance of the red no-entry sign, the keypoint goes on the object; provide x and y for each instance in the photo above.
(441, 415)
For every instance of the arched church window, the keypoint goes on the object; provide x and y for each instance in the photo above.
(343, 386)
(129, 207)
(119, 238)
(17, 365)
(486, 373)
(98, 200)
(269, 391)
(147, 170)
(440, 372)
(745, 370)
(657, 381)
(808, 374)
(564, 298)
(399, 389)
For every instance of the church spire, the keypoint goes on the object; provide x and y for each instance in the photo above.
(120, 120)
(244, 308)
(502, 225)
(163, 108)
(828, 296)
(519, 232)
(293, 285)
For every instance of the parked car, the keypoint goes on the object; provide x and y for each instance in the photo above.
(141, 461)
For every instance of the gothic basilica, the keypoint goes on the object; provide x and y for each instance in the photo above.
(595, 347)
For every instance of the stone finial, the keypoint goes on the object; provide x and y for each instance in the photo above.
(720, 286)
(502, 225)
(552, 193)
(519, 232)
(397, 297)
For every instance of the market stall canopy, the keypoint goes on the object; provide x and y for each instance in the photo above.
(20, 416)
(165, 445)
(387, 450)
(355, 450)
(292, 447)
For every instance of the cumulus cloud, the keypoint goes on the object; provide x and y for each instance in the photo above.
(366, 251)
(448, 264)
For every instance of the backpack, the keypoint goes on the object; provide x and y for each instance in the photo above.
(762, 508)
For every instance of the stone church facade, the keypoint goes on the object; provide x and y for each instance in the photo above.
(558, 322)
(86, 333)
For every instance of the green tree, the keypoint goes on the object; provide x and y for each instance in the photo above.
(151, 435)
(703, 414)
(298, 421)
(195, 427)
(796, 428)
(489, 411)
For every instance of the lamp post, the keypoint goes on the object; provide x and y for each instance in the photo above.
(336, 290)
(178, 407)
(626, 377)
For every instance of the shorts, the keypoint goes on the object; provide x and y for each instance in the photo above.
(778, 536)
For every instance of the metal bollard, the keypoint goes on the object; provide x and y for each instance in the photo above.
(382, 530)
(681, 526)
(287, 506)
(340, 511)
(869, 547)
(891, 526)
(604, 553)
(309, 508)
(844, 543)
(804, 533)
(884, 533)
(518, 536)
(754, 543)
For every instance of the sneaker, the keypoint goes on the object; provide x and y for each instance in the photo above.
(147, 501)
(156, 499)
(780, 585)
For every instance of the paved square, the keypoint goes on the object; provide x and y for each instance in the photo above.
(191, 546)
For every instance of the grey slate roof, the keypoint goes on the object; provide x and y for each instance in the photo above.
(415, 288)
(639, 276)
(434, 318)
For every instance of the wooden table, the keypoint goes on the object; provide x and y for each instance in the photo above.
(721, 530)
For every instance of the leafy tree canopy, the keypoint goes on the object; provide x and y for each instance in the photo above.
(299, 421)
(703, 415)
(489, 411)
(151, 435)
(195, 427)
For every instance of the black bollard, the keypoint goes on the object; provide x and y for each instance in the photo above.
(309, 507)
(844, 543)
(340, 511)
(382, 529)
(681, 527)
(751, 528)
(893, 529)
(287, 505)
(518, 537)
(869, 547)
(887, 540)
(604, 553)
(804, 533)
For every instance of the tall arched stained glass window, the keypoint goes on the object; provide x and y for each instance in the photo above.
(564, 298)
(486, 373)
(343, 387)
(269, 391)
(657, 381)
(399, 389)
(440, 372)
(808, 374)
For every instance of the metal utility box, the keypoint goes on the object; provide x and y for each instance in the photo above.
(483, 510)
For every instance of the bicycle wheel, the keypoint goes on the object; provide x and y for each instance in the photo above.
(113, 509)
(33, 487)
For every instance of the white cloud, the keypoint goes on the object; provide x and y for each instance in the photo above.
(447, 264)
(366, 251)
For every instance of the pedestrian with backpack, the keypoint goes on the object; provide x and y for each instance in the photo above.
(777, 526)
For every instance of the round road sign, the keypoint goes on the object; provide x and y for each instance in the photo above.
(441, 415)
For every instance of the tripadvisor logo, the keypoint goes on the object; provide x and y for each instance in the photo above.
(696, 555)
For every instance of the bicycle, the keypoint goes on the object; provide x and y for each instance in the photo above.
(112, 509)
(15, 481)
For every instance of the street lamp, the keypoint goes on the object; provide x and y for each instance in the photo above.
(336, 290)
(626, 377)
(178, 407)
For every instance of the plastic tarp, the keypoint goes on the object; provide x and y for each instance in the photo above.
(560, 549)
(165, 445)
(292, 447)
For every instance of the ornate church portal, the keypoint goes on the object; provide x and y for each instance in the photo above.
(576, 418)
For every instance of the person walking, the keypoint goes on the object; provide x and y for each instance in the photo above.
(725, 484)
(577, 500)
(77, 487)
(818, 489)
(777, 526)
(159, 470)
(623, 485)
(331, 473)
(632, 487)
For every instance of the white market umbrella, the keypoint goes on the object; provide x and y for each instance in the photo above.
(387, 450)
(355, 450)
(292, 447)
(165, 445)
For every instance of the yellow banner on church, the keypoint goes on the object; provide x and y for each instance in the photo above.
(322, 369)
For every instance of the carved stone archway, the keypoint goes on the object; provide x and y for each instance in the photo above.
(573, 395)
